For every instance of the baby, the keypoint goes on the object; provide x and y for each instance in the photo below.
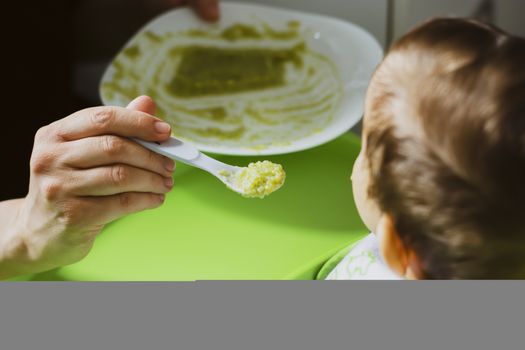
(440, 175)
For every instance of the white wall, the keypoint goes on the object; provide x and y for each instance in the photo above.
(369, 14)
(408, 13)
(372, 14)
(507, 14)
(510, 16)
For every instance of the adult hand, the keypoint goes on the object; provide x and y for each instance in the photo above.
(206, 9)
(85, 172)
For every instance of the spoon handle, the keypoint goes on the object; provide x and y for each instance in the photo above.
(176, 149)
(172, 148)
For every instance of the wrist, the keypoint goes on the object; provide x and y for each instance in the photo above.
(15, 257)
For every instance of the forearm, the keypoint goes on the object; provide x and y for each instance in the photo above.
(13, 255)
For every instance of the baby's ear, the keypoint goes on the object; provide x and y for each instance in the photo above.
(400, 259)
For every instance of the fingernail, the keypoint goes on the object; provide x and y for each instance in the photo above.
(168, 182)
(169, 164)
(162, 128)
(161, 197)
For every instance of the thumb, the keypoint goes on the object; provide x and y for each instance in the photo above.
(143, 104)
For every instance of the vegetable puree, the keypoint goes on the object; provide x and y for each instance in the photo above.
(258, 179)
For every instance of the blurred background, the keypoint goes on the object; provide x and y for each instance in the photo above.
(52, 67)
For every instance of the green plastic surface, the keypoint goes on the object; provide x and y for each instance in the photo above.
(329, 265)
(205, 231)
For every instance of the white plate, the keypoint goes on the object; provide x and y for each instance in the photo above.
(353, 51)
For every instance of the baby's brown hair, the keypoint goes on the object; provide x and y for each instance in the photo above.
(446, 147)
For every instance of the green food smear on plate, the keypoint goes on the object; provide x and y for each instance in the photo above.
(216, 71)
(248, 86)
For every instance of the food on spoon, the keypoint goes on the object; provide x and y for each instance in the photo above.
(258, 179)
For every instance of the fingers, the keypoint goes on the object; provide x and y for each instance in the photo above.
(111, 120)
(102, 210)
(103, 150)
(143, 104)
(176, 3)
(206, 9)
(119, 178)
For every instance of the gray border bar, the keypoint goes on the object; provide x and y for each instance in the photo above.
(263, 315)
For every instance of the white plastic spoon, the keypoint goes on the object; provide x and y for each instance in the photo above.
(176, 149)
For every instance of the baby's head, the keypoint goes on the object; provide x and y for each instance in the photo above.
(441, 174)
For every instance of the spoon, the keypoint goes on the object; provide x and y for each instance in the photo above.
(176, 149)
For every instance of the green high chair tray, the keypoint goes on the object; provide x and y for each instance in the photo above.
(205, 231)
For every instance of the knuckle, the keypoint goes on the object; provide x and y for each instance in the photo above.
(102, 117)
(118, 175)
(52, 190)
(153, 158)
(41, 162)
(41, 157)
(112, 145)
(147, 122)
(42, 133)
(125, 200)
